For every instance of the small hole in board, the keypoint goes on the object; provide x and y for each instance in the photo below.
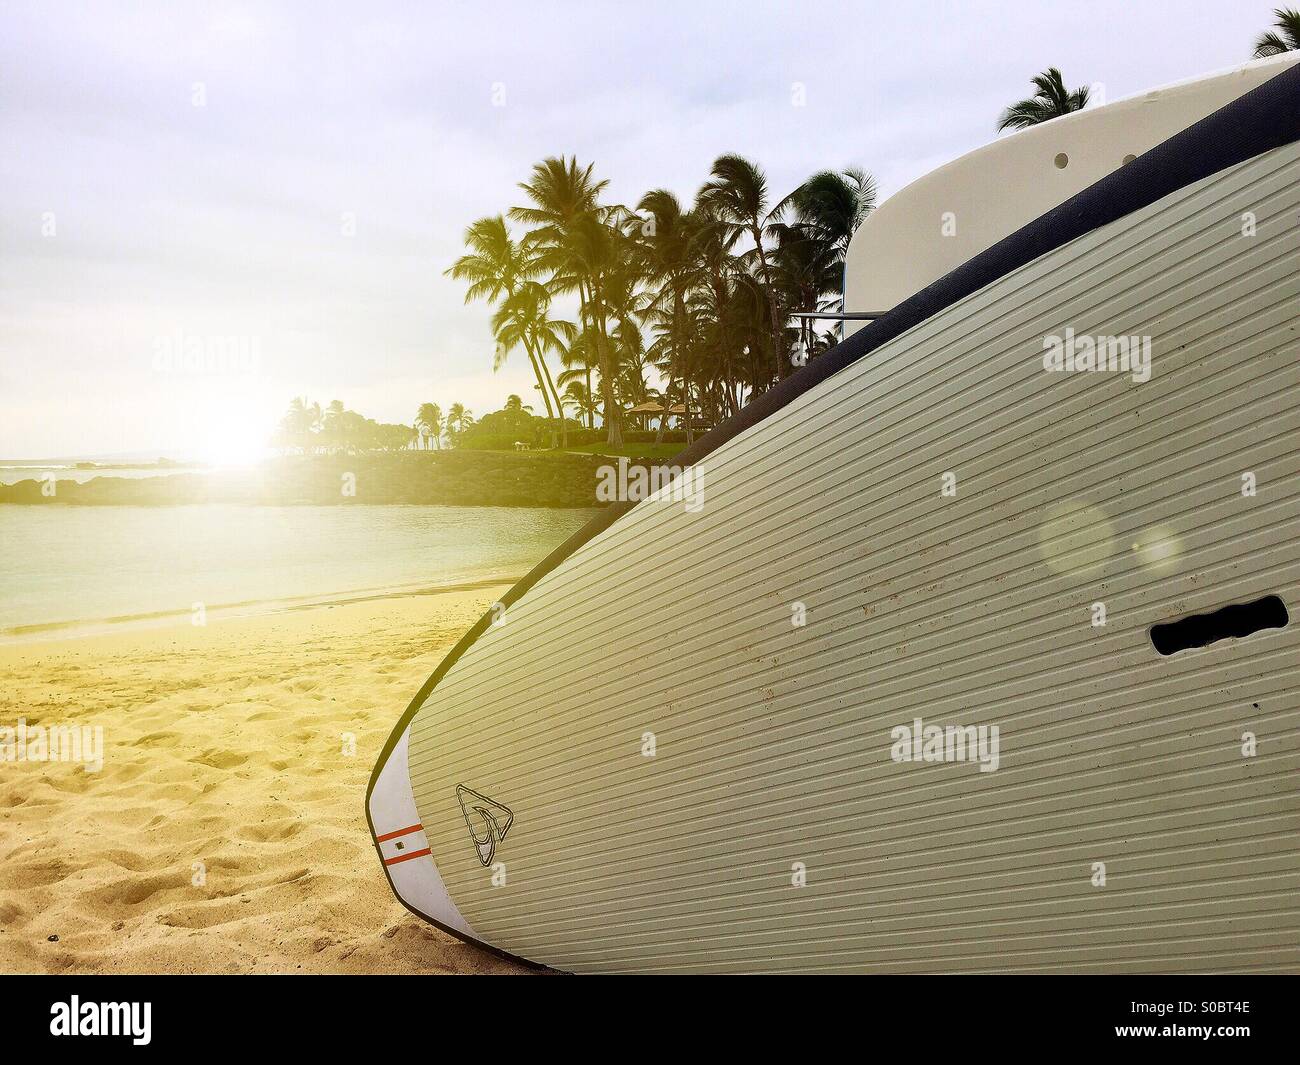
(1061, 161)
(1228, 623)
(1127, 159)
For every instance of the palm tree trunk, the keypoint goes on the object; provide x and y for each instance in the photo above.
(679, 308)
(668, 406)
(611, 413)
(756, 233)
(728, 369)
(559, 403)
(686, 406)
(541, 386)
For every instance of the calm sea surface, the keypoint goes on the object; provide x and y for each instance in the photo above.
(68, 565)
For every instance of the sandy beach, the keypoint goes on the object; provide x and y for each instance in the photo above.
(224, 832)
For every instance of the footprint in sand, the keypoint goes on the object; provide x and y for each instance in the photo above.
(271, 831)
(156, 739)
(135, 890)
(205, 914)
(221, 759)
(39, 873)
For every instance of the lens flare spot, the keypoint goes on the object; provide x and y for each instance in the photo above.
(1075, 538)
(1158, 549)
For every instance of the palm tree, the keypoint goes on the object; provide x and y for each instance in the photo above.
(828, 208)
(831, 205)
(428, 422)
(707, 288)
(331, 428)
(296, 423)
(625, 305)
(667, 252)
(302, 422)
(1270, 43)
(715, 307)
(575, 241)
(1051, 100)
(582, 401)
(458, 420)
(807, 269)
(737, 194)
(522, 320)
(497, 268)
(579, 359)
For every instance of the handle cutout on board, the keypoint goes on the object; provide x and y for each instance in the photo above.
(1230, 622)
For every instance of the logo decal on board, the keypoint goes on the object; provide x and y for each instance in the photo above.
(488, 821)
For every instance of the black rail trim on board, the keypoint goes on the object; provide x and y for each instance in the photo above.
(1258, 121)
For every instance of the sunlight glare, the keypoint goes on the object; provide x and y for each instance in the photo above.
(233, 437)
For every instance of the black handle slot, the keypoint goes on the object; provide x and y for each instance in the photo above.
(1230, 622)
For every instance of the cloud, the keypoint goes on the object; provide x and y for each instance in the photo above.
(229, 218)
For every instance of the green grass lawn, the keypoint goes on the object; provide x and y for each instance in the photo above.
(642, 451)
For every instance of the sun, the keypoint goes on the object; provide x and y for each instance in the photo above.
(233, 438)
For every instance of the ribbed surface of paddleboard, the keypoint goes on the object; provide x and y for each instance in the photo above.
(772, 741)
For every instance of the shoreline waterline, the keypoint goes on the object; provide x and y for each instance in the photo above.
(78, 627)
(77, 569)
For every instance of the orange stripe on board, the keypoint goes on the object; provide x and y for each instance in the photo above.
(400, 832)
(406, 857)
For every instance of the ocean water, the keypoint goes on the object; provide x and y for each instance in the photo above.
(66, 567)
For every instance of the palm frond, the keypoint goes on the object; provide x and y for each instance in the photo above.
(1050, 100)
(1288, 40)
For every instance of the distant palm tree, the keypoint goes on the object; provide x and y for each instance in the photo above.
(1051, 100)
(316, 418)
(458, 420)
(428, 422)
(1270, 43)
(582, 401)
(302, 423)
(331, 429)
(580, 362)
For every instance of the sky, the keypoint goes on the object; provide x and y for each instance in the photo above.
(277, 188)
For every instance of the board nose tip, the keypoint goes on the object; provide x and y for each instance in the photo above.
(403, 846)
